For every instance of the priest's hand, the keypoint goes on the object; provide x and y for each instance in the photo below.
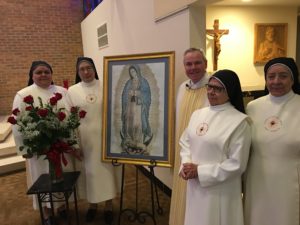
(190, 170)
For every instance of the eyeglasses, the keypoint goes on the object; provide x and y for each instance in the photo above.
(88, 68)
(217, 89)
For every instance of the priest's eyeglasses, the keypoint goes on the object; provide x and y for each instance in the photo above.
(216, 89)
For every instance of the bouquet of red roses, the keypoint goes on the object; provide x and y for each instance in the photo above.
(47, 129)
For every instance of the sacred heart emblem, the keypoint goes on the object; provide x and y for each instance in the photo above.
(91, 98)
(202, 129)
(273, 124)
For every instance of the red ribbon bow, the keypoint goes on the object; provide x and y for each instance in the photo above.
(56, 155)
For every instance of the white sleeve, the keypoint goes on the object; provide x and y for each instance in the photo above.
(68, 101)
(17, 103)
(185, 152)
(235, 162)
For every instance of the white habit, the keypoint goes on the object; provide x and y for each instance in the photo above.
(35, 167)
(191, 96)
(218, 140)
(99, 183)
(273, 175)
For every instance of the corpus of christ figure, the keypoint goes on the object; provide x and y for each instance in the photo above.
(216, 33)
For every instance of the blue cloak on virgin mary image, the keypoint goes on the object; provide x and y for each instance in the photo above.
(136, 100)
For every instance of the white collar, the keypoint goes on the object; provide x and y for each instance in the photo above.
(222, 107)
(282, 98)
(89, 84)
(201, 83)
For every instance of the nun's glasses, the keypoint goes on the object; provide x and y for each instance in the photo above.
(217, 89)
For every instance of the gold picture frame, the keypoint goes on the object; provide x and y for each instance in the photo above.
(138, 110)
(270, 41)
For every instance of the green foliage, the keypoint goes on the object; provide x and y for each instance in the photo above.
(43, 125)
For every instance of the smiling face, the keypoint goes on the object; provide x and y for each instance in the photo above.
(195, 65)
(279, 80)
(216, 92)
(42, 76)
(86, 72)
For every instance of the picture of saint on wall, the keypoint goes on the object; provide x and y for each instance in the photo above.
(270, 42)
(138, 109)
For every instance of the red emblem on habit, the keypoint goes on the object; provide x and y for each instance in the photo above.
(202, 129)
(91, 98)
(273, 124)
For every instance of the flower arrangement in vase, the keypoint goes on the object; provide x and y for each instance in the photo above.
(49, 131)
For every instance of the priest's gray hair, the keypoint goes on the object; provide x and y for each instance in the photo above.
(189, 50)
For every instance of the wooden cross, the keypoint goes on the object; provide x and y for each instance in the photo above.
(216, 34)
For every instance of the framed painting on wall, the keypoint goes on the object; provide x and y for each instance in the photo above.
(138, 109)
(270, 41)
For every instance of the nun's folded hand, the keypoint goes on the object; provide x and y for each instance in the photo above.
(190, 169)
(183, 175)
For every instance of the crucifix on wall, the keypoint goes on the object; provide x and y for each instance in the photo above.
(216, 33)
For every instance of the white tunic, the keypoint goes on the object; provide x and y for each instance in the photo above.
(35, 167)
(99, 183)
(191, 96)
(218, 140)
(273, 176)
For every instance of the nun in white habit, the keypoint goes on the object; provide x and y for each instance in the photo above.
(272, 194)
(40, 85)
(214, 154)
(97, 182)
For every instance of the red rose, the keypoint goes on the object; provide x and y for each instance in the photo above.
(43, 112)
(28, 99)
(53, 100)
(74, 109)
(82, 114)
(16, 111)
(61, 116)
(12, 120)
(58, 96)
(28, 108)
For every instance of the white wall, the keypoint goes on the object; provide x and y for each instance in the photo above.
(131, 30)
(197, 26)
(237, 47)
(167, 7)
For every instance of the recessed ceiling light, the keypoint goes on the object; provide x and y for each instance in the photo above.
(246, 0)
